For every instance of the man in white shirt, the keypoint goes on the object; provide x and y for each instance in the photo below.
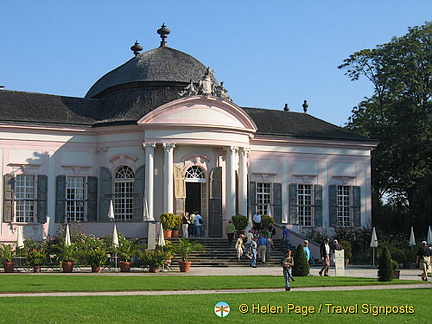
(256, 219)
(325, 258)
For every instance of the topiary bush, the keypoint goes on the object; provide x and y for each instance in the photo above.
(240, 222)
(266, 220)
(385, 270)
(301, 266)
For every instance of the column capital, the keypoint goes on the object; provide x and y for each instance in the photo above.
(232, 149)
(168, 146)
(149, 145)
(244, 151)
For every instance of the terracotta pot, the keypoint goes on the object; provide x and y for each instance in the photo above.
(37, 269)
(396, 274)
(67, 266)
(9, 266)
(125, 266)
(154, 268)
(96, 268)
(175, 233)
(167, 233)
(184, 266)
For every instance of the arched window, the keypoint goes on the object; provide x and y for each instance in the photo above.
(195, 174)
(123, 193)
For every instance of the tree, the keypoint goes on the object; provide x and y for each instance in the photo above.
(399, 116)
(385, 270)
(301, 266)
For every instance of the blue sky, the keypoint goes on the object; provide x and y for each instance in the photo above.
(268, 53)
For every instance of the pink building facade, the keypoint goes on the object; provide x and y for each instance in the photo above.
(159, 134)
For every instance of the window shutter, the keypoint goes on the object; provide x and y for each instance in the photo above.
(42, 188)
(105, 192)
(356, 206)
(333, 205)
(317, 205)
(139, 194)
(9, 194)
(60, 207)
(277, 202)
(292, 216)
(215, 203)
(92, 183)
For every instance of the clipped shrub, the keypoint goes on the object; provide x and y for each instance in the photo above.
(266, 220)
(385, 270)
(240, 222)
(347, 249)
(301, 266)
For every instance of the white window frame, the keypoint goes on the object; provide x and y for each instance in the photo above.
(264, 197)
(76, 198)
(124, 180)
(305, 202)
(344, 198)
(25, 198)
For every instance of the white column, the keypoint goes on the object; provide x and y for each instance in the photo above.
(149, 178)
(230, 197)
(169, 178)
(243, 180)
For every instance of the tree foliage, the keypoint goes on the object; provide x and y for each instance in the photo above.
(385, 270)
(301, 266)
(399, 116)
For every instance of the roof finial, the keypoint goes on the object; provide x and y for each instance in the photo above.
(163, 32)
(305, 106)
(137, 48)
(286, 108)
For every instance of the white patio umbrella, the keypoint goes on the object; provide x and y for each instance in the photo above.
(412, 241)
(115, 239)
(373, 245)
(20, 238)
(429, 235)
(67, 237)
(269, 210)
(115, 242)
(111, 211)
(161, 238)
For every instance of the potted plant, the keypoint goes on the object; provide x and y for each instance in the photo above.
(35, 254)
(96, 258)
(176, 223)
(168, 223)
(346, 246)
(126, 250)
(184, 249)
(396, 272)
(67, 256)
(154, 259)
(240, 222)
(7, 254)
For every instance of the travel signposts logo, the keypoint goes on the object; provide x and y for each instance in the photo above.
(222, 309)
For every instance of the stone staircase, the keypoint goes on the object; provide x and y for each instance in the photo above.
(218, 253)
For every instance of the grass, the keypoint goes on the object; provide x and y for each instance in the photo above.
(48, 283)
(199, 308)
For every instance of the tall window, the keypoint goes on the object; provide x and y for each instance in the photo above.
(263, 197)
(344, 204)
(25, 198)
(304, 204)
(75, 199)
(123, 192)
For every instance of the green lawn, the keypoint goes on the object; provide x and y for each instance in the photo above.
(199, 308)
(70, 282)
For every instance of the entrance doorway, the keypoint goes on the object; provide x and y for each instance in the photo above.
(193, 197)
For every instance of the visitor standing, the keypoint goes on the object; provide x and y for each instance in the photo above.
(198, 223)
(287, 263)
(230, 230)
(185, 225)
(325, 257)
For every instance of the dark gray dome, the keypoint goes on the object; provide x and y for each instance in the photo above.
(160, 65)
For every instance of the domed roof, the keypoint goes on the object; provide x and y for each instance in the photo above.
(161, 64)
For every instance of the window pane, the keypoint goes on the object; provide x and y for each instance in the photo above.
(24, 198)
(304, 204)
(75, 199)
(123, 191)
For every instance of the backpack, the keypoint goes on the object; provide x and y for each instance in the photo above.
(200, 220)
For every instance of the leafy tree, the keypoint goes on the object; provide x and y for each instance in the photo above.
(301, 266)
(399, 116)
